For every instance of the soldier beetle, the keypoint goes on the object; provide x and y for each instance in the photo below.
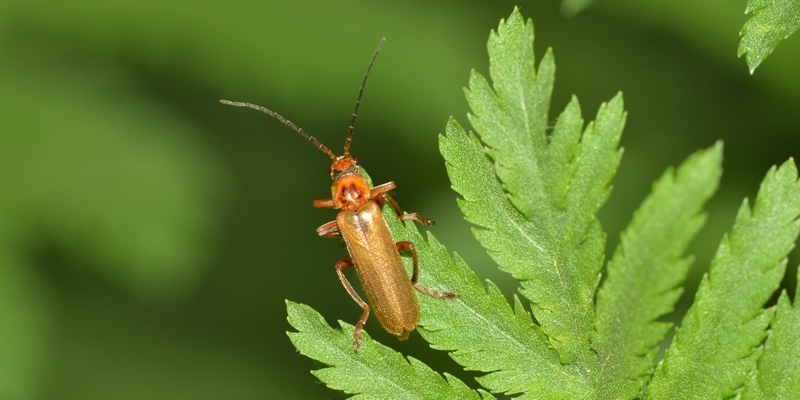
(373, 250)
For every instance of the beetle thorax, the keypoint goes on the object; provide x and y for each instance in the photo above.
(350, 191)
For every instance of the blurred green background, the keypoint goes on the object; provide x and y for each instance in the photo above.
(149, 235)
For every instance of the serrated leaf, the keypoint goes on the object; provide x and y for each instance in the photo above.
(778, 372)
(645, 271)
(715, 348)
(772, 21)
(480, 327)
(550, 238)
(375, 371)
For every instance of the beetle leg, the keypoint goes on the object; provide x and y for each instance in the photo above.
(380, 197)
(330, 230)
(409, 246)
(324, 203)
(374, 192)
(341, 265)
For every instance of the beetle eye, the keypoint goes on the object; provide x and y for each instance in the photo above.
(330, 168)
(357, 161)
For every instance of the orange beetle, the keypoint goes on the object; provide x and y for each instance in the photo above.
(373, 251)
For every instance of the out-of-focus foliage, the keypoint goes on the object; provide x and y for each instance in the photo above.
(571, 7)
(150, 235)
(26, 324)
(109, 182)
(772, 21)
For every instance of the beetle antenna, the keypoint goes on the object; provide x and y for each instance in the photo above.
(286, 122)
(358, 100)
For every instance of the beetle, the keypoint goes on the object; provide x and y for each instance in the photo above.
(372, 248)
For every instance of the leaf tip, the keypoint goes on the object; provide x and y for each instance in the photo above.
(291, 309)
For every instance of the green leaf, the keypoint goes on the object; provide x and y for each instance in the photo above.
(375, 371)
(644, 274)
(485, 332)
(715, 348)
(779, 366)
(772, 21)
(550, 239)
